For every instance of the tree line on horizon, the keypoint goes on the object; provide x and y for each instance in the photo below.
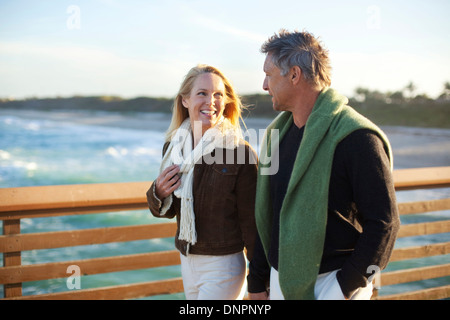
(256, 104)
(406, 96)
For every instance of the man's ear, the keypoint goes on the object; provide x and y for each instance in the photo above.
(295, 74)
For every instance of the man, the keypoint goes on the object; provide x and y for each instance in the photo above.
(327, 219)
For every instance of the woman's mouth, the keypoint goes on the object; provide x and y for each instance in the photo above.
(208, 112)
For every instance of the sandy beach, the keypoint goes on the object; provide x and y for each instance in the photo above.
(412, 147)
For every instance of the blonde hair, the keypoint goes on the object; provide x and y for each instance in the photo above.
(233, 104)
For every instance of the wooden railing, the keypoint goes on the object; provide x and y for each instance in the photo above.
(36, 202)
(413, 179)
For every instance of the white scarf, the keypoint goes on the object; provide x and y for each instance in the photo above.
(181, 153)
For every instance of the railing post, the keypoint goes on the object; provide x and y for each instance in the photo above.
(11, 227)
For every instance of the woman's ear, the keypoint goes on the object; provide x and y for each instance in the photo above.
(184, 103)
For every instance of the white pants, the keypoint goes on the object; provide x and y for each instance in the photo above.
(327, 288)
(214, 277)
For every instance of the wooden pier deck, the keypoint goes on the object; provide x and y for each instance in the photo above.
(17, 204)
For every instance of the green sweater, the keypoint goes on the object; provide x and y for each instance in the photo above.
(304, 211)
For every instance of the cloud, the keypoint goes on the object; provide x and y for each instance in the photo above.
(216, 25)
(232, 31)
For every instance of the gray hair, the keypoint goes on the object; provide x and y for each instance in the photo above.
(300, 49)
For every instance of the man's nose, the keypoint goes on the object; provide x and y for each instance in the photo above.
(265, 84)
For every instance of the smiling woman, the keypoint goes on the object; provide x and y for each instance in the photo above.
(201, 81)
(213, 201)
(205, 103)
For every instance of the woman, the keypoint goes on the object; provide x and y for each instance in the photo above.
(208, 180)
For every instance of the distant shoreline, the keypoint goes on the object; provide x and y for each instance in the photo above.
(155, 121)
(413, 147)
(385, 109)
(159, 121)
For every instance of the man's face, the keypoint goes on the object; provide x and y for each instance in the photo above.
(276, 85)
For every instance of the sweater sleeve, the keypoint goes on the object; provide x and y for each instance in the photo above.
(259, 270)
(245, 198)
(368, 170)
(154, 203)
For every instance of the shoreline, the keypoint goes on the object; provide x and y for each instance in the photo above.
(413, 147)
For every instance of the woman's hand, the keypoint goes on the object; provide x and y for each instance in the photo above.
(167, 182)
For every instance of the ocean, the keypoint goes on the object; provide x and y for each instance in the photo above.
(57, 148)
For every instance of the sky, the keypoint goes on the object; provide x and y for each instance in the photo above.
(133, 48)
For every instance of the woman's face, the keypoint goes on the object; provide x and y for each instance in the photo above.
(206, 101)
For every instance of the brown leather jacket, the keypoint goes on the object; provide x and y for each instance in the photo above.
(224, 203)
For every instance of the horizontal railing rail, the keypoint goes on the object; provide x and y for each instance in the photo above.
(17, 204)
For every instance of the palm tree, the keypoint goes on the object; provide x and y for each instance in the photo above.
(445, 95)
(411, 88)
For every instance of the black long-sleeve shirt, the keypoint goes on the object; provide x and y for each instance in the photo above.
(362, 221)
